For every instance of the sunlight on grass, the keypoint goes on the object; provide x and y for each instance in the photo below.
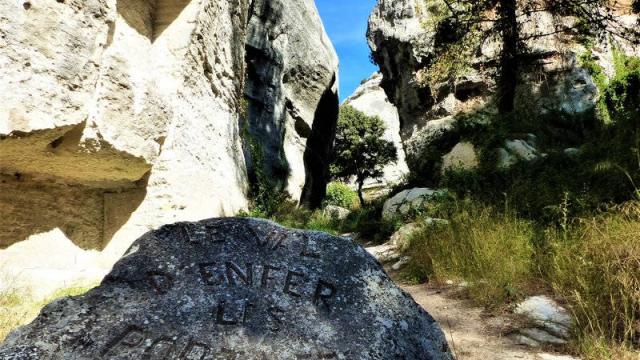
(17, 307)
(592, 263)
(597, 270)
(491, 251)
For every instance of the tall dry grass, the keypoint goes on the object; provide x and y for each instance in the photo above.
(596, 269)
(489, 250)
(592, 263)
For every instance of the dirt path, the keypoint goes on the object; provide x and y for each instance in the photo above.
(472, 334)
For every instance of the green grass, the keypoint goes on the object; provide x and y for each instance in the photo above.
(365, 221)
(18, 308)
(340, 194)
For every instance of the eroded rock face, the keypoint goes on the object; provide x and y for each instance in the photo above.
(112, 96)
(117, 117)
(292, 96)
(371, 99)
(239, 288)
(403, 37)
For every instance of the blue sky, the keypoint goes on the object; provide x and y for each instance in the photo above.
(346, 24)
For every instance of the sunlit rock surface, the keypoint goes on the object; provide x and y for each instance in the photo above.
(292, 97)
(117, 117)
(403, 36)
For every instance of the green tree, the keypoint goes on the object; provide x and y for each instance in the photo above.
(360, 151)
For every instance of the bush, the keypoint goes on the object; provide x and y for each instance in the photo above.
(491, 251)
(368, 223)
(340, 194)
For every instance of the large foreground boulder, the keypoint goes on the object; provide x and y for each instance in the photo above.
(236, 289)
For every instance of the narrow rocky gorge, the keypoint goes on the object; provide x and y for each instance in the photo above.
(496, 144)
(292, 98)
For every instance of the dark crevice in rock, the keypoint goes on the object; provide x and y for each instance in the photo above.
(398, 65)
(319, 148)
(265, 113)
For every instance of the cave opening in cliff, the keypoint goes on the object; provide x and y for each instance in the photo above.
(151, 18)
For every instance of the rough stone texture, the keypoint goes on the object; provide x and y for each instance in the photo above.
(385, 253)
(236, 288)
(336, 212)
(547, 314)
(400, 238)
(407, 200)
(535, 337)
(392, 250)
(117, 117)
(120, 117)
(371, 99)
(292, 95)
(463, 156)
(403, 43)
(517, 150)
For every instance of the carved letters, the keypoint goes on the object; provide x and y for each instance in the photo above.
(198, 234)
(297, 282)
(309, 248)
(232, 314)
(131, 337)
(153, 347)
(290, 283)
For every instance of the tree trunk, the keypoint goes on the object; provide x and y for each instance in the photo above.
(508, 80)
(360, 196)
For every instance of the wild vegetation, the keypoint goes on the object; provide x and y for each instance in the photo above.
(564, 225)
(592, 262)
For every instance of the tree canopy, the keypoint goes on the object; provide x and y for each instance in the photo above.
(360, 149)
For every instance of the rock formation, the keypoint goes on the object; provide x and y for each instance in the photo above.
(404, 37)
(236, 288)
(292, 97)
(371, 99)
(120, 116)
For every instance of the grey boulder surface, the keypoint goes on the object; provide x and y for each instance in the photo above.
(235, 288)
